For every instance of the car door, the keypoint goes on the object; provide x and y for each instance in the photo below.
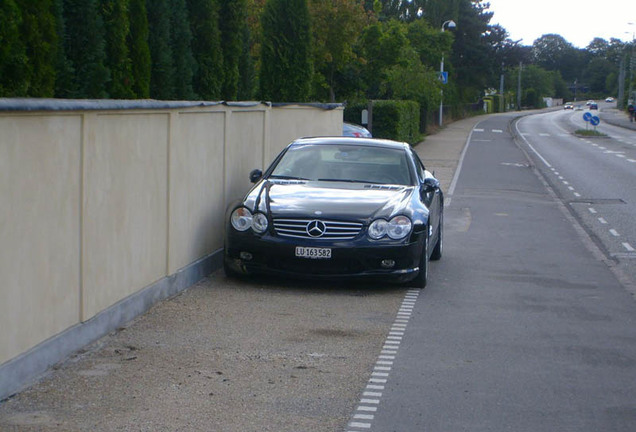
(430, 193)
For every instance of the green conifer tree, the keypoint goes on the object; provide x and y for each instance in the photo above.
(181, 41)
(139, 49)
(232, 20)
(117, 30)
(13, 58)
(286, 66)
(40, 37)
(162, 64)
(85, 46)
(206, 48)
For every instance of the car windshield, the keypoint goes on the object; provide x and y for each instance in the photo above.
(349, 163)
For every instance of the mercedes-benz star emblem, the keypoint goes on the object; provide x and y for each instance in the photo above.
(316, 228)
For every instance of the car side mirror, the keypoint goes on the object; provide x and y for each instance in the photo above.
(256, 175)
(430, 184)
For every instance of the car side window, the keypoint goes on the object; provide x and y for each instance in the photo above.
(419, 167)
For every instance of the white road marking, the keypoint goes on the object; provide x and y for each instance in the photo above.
(628, 247)
(603, 221)
(383, 367)
(614, 232)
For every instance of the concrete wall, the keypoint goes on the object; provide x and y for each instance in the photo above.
(107, 208)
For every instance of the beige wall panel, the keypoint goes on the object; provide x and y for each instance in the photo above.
(39, 229)
(243, 151)
(196, 187)
(292, 122)
(125, 206)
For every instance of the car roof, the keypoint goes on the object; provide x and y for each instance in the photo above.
(362, 142)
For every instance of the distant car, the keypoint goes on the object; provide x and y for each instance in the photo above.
(338, 208)
(568, 106)
(353, 130)
(609, 99)
(590, 102)
(593, 106)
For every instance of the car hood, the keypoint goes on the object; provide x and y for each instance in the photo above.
(330, 199)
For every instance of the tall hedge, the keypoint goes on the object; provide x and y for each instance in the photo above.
(13, 57)
(162, 70)
(286, 62)
(85, 46)
(117, 26)
(232, 20)
(206, 48)
(181, 40)
(39, 35)
(139, 49)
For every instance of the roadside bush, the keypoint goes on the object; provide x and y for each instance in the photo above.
(392, 119)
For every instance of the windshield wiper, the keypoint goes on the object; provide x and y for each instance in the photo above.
(286, 177)
(348, 181)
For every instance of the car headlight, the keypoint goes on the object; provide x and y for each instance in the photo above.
(241, 219)
(259, 223)
(378, 229)
(397, 228)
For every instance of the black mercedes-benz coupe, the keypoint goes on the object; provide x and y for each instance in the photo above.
(338, 207)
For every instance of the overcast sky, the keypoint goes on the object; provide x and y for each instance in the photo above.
(578, 21)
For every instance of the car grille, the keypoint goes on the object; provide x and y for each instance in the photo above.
(333, 230)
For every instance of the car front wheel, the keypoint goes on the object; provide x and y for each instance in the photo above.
(422, 277)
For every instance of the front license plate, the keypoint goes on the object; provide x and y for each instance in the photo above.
(313, 253)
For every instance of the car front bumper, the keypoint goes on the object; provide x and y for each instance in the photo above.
(358, 259)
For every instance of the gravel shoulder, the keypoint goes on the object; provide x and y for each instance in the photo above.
(224, 355)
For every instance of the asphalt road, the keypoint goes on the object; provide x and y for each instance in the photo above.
(524, 327)
(594, 177)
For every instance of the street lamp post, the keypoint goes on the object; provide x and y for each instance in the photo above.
(450, 24)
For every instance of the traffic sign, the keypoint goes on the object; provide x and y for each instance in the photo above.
(443, 77)
(595, 121)
(587, 116)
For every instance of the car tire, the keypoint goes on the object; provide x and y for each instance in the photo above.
(436, 254)
(422, 276)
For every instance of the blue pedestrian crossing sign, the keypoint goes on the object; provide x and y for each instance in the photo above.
(443, 77)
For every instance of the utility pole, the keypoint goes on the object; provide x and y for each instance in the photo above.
(519, 88)
(501, 89)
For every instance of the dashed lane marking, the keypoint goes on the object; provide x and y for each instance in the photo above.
(362, 419)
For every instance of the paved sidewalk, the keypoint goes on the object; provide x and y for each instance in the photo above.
(442, 151)
(616, 117)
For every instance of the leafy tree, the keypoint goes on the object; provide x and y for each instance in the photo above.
(86, 48)
(232, 19)
(553, 52)
(13, 57)
(181, 40)
(472, 53)
(116, 22)
(139, 49)
(39, 35)
(536, 82)
(162, 70)
(382, 48)
(429, 42)
(286, 68)
(337, 25)
(403, 10)
(206, 48)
